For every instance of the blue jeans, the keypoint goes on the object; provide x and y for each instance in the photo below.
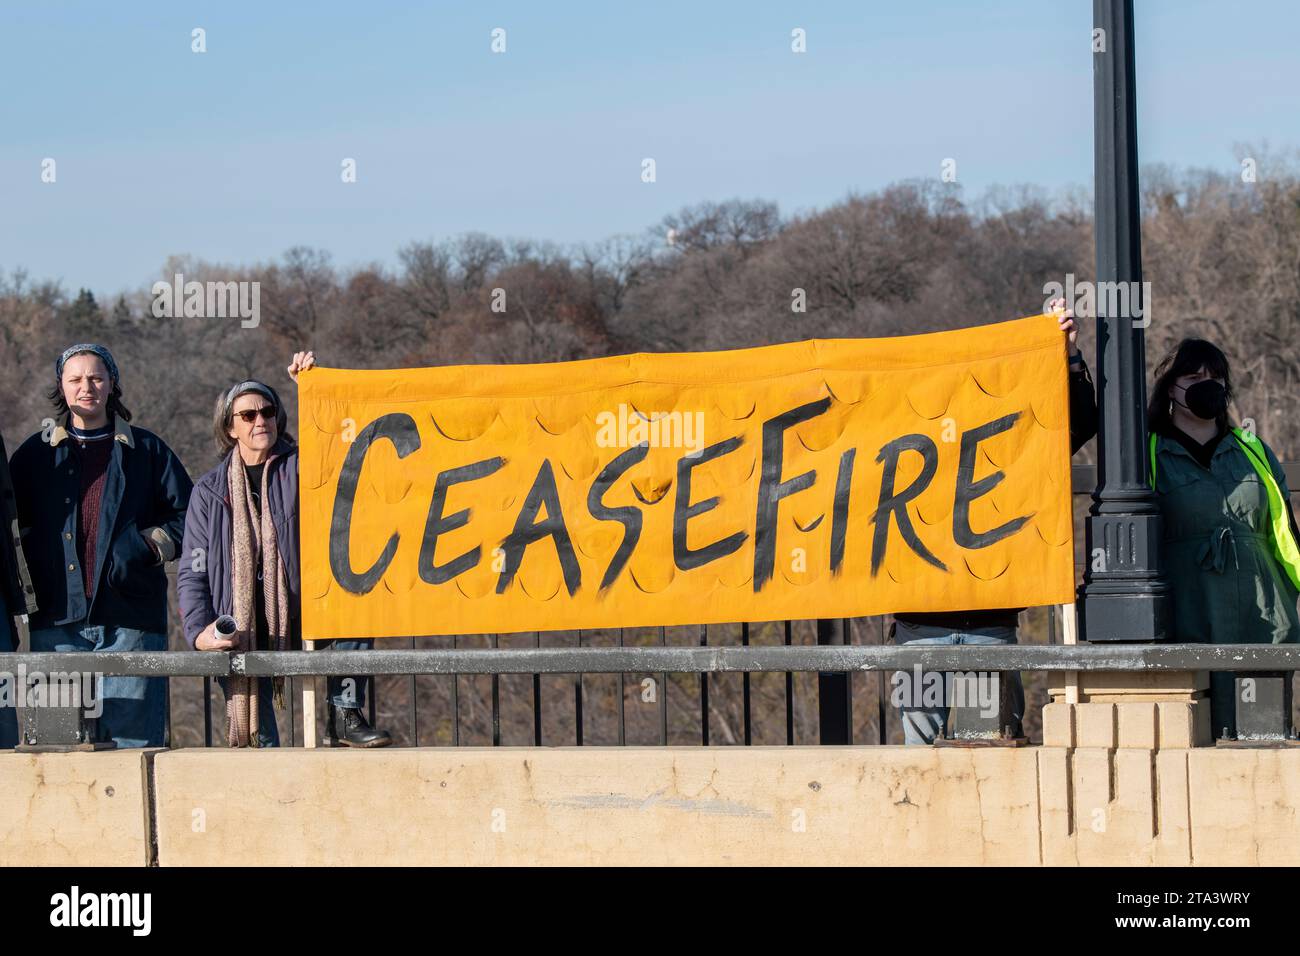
(8, 714)
(135, 708)
(922, 724)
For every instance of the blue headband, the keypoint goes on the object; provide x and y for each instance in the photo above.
(87, 349)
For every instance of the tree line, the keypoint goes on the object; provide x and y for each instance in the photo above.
(1222, 257)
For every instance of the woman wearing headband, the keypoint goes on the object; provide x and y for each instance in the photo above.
(1232, 549)
(241, 561)
(101, 506)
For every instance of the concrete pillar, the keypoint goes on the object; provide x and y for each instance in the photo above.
(1139, 710)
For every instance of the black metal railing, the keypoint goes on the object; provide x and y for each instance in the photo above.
(704, 660)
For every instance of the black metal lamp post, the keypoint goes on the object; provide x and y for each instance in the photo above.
(1124, 595)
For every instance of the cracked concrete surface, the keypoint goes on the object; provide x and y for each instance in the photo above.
(889, 806)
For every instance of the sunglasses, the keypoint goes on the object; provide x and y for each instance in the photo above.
(250, 415)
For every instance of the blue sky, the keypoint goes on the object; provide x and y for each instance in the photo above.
(234, 155)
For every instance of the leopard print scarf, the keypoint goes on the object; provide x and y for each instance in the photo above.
(253, 538)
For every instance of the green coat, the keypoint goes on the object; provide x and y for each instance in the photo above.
(1227, 586)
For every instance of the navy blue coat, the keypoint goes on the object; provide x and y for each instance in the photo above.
(203, 582)
(146, 492)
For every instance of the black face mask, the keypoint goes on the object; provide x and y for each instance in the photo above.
(1206, 399)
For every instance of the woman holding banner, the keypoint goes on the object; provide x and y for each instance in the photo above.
(241, 562)
(1232, 549)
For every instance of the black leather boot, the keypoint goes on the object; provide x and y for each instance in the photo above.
(350, 729)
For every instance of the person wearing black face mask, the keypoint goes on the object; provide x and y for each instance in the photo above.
(1231, 543)
(1205, 401)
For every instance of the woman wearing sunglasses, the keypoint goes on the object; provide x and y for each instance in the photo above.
(241, 559)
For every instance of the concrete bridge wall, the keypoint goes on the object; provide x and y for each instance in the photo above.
(889, 806)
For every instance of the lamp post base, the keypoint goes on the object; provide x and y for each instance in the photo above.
(1134, 618)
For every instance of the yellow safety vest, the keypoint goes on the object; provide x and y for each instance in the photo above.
(1280, 538)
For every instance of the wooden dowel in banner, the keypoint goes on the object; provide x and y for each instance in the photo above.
(309, 705)
(1070, 635)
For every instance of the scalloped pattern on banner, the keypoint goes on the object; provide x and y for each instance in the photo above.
(825, 478)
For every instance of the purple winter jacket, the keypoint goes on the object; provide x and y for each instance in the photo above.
(203, 581)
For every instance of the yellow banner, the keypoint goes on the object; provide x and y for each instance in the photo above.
(833, 478)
